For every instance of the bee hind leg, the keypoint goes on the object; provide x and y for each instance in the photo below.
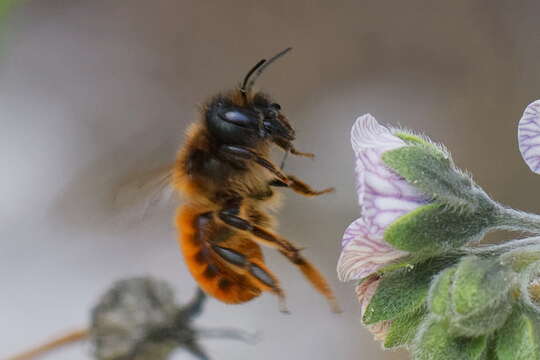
(229, 216)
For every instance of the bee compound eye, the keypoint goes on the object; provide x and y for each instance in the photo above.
(237, 117)
(275, 106)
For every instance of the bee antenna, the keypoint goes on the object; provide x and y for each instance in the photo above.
(258, 69)
(248, 75)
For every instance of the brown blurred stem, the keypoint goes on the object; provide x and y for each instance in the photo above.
(72, 337)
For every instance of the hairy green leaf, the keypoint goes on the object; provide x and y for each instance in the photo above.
(404, 328)
(434, 228)
(403, 290)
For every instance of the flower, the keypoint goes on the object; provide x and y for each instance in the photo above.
(364, 293)
(529, 136)
(383, 195)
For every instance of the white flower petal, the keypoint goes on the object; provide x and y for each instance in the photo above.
(368, 133)
(383, 195)
(529, 136)
(364, 252)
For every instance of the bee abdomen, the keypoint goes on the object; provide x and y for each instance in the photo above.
(207, 263)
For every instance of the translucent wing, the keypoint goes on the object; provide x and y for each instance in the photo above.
(137, 197)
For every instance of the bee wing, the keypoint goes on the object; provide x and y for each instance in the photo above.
(137, 197)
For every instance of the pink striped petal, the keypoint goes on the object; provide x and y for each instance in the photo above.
(364, 252)
(364, 293)
(529, 136)
(384, 196)
(380, 330)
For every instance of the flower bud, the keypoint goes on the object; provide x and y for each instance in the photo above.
(125, 316)
(529, 280)
(435, 342)
(519, 339)
(473, 297)
(439, 299)
(521, 257)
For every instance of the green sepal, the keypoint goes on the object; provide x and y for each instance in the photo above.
(435, 342)
(439, 293)
(403, 290)
(435, 228)
(431, 170)
(519, 339)
(404, 328)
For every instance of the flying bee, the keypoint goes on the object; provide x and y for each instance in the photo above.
(224, 172)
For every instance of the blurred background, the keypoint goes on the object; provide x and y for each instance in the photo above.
(93, 93)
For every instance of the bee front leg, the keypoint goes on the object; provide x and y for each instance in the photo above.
(299, 186)
(243, 153)
(300, 153)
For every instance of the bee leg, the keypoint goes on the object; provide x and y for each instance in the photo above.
(299, 153)
(288, 147)
(230, 217)
(299, 186)
(256, 271)
(243, 153)
(196, 350)
(312, 274)
(264, 277)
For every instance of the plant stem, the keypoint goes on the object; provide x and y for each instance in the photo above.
(515, 220)
(501, 248)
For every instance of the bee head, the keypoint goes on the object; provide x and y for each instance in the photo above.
(243, 118)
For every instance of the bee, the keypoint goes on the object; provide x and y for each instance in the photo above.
(229, 183)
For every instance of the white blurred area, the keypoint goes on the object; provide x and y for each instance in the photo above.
(94, 92)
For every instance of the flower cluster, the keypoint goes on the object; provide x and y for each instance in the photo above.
(423, 280)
